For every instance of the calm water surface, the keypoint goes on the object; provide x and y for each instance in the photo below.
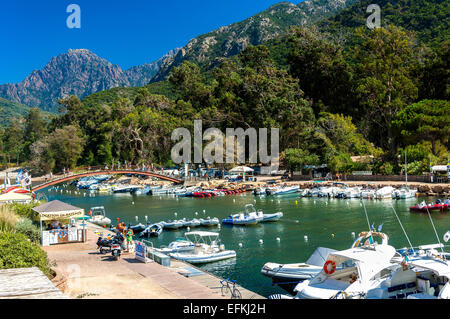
(315, 218)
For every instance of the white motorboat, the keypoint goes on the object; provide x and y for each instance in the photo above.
(349, 273)
(208, 222)
(259, 191)
(282, 190)
(192, 222)
(250, 217)
(404, 193)
(367, 193)
(172, 224)
(384, 192)
(288, 276)
(207, 249)
(98, 216)
(272, 217)
(180, 245)
(423, 275)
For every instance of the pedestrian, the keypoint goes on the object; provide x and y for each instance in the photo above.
(129, 237)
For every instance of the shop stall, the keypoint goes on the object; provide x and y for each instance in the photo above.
(58, 223)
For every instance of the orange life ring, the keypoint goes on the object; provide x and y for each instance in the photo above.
(333, 267)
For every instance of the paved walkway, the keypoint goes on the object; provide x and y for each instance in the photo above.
(92, 275)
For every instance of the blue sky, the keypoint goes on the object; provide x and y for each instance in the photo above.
(125, 32)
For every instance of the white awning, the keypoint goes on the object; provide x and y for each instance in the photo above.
(439, 168)
(241, 169)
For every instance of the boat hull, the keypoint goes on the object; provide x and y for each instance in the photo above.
(196, 259)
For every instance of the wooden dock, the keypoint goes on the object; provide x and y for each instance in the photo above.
(27, 283)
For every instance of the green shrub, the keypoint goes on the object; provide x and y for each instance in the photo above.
(17, 251)
(24, 210)
(25, 226)
(8, 219)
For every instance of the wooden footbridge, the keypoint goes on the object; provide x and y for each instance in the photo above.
(66, 178)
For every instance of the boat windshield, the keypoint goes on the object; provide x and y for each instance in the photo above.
(249, 208)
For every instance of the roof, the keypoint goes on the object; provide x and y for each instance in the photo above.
(55, 206)
(12, 196)
(29, 283)
(58, 210)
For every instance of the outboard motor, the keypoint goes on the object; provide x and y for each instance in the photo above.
(268, 192)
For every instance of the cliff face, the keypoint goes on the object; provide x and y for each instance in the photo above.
(77, 72)
(211, 47)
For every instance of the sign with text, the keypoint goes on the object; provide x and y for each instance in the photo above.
(140, 251)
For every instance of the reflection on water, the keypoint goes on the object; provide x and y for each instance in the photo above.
(317, 218)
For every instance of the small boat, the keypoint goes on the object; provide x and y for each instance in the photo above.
(192, 222)
(180, 245)
(259, 191)
(153, 230)
(287, 276)
(272, 217)
(172, 224)
(209, 221)
(282, 190)
(250, 217)
(98, 216)
(141, 191)
(384, 192)
(137, 228)
(347, 273)
(206, 249)
(367, 193)
(424, 208)
(125, 188)
(404, 193)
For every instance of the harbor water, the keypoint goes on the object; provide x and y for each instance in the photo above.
(307, 224)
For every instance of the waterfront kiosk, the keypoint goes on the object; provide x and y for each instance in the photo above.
(59, 218)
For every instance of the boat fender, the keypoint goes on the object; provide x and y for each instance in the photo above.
(333, 267)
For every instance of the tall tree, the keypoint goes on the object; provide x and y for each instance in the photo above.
(384, 61)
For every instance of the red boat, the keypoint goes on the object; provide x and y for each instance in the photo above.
(427, 208)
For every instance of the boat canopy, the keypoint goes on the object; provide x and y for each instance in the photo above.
(202, 236)
(319, 256)
(440, 267)
(370, 259)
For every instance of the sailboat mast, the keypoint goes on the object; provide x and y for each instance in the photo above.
(406, 170)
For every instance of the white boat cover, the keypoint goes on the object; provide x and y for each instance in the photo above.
(441, 267)
(319, 256)
(371, 259)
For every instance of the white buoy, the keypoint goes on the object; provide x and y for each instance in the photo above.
(278, 239)
(196, 213)
(297, 221)
(132, 203)
(218, 226)
(188, 228)
(353, 234)
(175, 214)
(204, 211)
(240, 244)
(278, 201)
(306, 238)
(261, 241)
(234, 200)
(146, 217)
(314, 202)
(254, 200)
(137, 218)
